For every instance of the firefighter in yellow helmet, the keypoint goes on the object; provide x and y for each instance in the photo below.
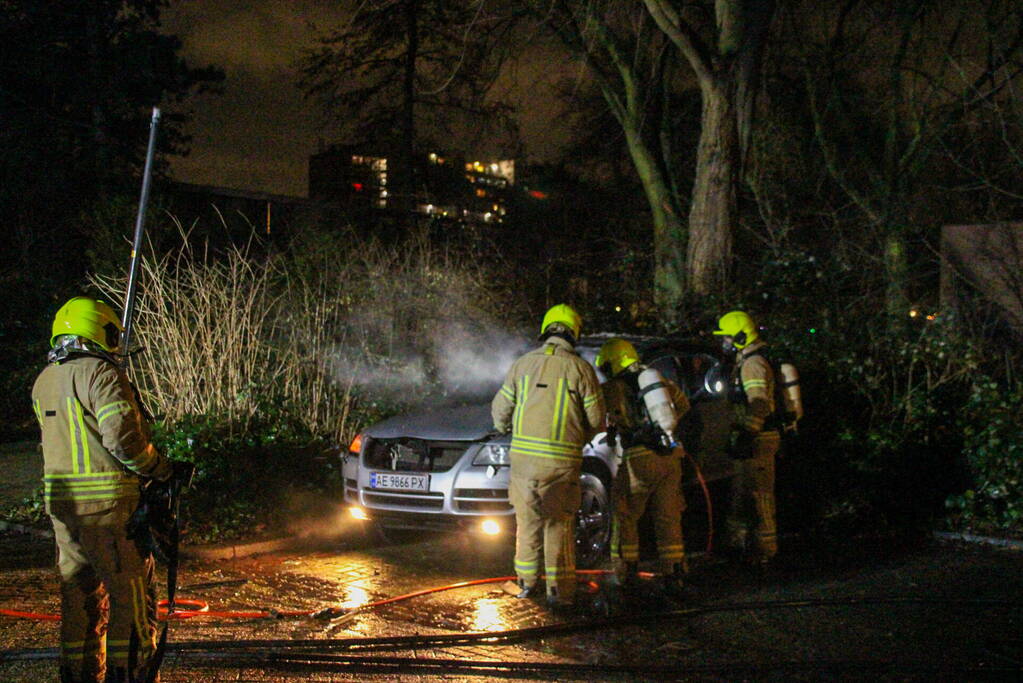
(96, 450)
(643, 410)
(552, 404)
(755, 441)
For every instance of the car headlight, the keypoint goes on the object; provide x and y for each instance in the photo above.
(492, 454)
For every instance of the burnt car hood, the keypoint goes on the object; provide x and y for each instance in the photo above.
(457, 423)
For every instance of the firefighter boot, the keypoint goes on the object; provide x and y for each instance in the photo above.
(561, 606)
(673, 585)
(624, 588)
(518, 588)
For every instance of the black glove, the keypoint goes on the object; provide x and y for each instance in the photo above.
(740, 444)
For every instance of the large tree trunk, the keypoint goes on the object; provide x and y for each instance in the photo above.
(669, 231)
(713, 210)
(727, 70)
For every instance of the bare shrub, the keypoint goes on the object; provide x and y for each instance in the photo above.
(237, 332)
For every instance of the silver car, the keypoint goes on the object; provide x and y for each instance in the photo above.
(448, 469)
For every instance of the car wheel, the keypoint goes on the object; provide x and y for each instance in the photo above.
(592, 521)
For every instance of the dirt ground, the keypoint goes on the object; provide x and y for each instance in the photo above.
(868, 608)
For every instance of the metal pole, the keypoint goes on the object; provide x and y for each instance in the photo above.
(136, 248)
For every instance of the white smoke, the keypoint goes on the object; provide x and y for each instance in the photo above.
(455, 360)
(472, 359)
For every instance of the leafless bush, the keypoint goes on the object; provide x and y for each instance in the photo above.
(232, 333)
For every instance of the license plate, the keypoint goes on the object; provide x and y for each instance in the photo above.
(404, 482)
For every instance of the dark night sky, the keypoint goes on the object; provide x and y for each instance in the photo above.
(259, 133)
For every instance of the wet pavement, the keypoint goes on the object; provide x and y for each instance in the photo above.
(864, 609)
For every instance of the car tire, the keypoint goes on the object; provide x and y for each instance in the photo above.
(592, 521)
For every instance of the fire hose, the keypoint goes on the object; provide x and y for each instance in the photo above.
(200, 609)
(317, 655)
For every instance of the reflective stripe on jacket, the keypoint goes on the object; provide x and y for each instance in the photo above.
(551, 402)
(95, 440)
(757, 379)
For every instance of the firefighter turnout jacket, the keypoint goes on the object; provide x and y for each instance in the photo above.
(95, 442)
(755, 382)
(95, 449)
(552, 403)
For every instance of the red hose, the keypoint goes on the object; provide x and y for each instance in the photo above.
(710, 507)
(29, 615)
(202, 608)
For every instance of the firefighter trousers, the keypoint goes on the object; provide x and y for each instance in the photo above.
(545, 502)
(108, 597)
(643, 481)
(752, 507)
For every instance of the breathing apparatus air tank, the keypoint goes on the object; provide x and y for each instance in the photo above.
(657, 400)
(791, 395)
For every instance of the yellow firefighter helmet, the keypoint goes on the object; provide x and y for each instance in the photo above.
(565, 315)
(616, 355)
(740, 327)
(89, 318)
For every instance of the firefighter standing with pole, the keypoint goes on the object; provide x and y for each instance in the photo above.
(96, 452)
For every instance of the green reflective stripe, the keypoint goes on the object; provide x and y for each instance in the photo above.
(79, 498)
(589, 401)
(142, 460)
(558, 420)
(545, 445)
(549, 349)
(38, 411)
(549, 456)
(754, 383)
(541, 440)
(507, 392)
(87, 485)
(520, 405)
(528, 568)
(92, 476)
(110, 409)
(80, 419)
(79, 442)
(78, 644)
(555, 573)
(107, 486)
